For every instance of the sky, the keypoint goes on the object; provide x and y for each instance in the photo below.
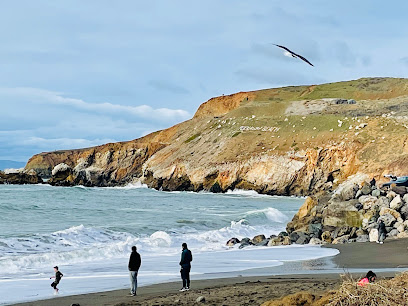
(76, 74)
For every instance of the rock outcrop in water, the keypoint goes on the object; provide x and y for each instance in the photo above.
(20, 178)
(286, 141)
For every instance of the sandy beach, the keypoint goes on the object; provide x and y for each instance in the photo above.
(256, 289)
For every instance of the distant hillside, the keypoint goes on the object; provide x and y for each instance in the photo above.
(6, 164)
(295, 140)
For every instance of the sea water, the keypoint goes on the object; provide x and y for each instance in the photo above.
(89, 232)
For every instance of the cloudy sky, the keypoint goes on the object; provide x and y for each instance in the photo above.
(81, 73)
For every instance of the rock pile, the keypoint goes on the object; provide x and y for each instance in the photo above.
(352, 212)
(349, 214)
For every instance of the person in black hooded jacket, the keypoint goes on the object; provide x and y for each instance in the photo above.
(134, 265)
(185, 263)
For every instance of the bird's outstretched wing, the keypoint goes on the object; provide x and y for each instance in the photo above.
(297, 55)
(283, 47)
(302, 58)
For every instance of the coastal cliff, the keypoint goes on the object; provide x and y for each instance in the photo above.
(298, 140)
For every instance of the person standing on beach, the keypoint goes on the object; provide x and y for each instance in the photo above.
(134, 265)
(381, 232)
(185, 263)
(57, 277)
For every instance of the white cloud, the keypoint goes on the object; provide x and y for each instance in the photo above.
(50, 97)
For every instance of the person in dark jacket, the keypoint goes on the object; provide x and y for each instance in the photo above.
(57, 277)
(134, 265)
(382, 232)
(185, 263)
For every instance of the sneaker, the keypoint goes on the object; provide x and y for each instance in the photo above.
(183, 289)
(381, 242)
(187, 288)
(377, 241)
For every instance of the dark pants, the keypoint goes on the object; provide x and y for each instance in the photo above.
(381, 236)
(54, 285)
(185, 276)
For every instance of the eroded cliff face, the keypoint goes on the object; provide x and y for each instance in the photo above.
(286, 141)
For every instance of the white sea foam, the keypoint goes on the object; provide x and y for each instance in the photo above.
(135, 185)
(245, 193)
(80, 244)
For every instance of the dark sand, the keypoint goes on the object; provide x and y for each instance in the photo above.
(252, 290)
(392, 254)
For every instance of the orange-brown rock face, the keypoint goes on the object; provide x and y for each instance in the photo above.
(287, 141)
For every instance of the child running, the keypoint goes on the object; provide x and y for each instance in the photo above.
(57, 277)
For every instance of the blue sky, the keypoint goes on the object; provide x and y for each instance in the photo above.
(81, 73)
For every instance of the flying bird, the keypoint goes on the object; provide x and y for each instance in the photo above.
(293, 54)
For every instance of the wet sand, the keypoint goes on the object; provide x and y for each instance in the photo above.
(252, 290)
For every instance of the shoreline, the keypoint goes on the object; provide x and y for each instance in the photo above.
(388, 259)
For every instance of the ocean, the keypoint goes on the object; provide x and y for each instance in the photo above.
(89, 232)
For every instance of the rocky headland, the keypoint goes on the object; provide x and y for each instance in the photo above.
(298, 140)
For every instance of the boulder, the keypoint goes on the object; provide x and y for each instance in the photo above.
(404, 212)
(390, 195)
(360, 232)
(401, 190)
(388, 219)
(396, 203)
(283, 234)
(326, 237)
(346, 192)
(341, 240)
(341, 231)
(305, 216)
(366, 189)
(383, 202)
(62, 175)
(232, 242)
(286, 241)
(353, 232)
(278, 241)
(363, 238)
(257, 239)
(341, 213)
(245, 242)
(315, 241)
(390, 211)
(376, 193)
(405, 198)
(358, 194)
(400, 226)
(294, 236)
(393, 233)
(403, 235)
(367, 201)
(263, 243)
(315, 229)
(303, 238)
(373, 235)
